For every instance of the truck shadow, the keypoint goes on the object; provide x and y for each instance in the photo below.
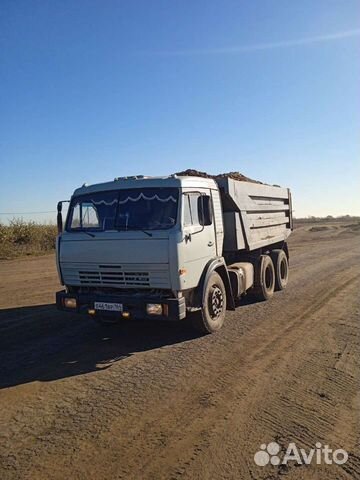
(43, 344)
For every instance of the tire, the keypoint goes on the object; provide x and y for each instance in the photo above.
(281, 266)
(265, 279)
(212, 315)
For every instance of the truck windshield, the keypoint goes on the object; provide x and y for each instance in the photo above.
(132, 209)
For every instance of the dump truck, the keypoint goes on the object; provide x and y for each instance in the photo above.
(171, 248)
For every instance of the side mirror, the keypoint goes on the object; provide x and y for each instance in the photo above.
(204, 210)
(59, 218)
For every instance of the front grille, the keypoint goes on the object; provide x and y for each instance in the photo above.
(107, 276)
(118, 276)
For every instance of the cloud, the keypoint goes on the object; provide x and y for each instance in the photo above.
(261, 46)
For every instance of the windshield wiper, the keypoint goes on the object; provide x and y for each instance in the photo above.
(90, 234)
(147, 233)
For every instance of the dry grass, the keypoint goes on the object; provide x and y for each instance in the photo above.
(26, 238)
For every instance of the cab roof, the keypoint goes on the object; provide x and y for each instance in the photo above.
(122, 183)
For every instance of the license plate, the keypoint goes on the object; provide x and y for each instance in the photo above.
(109, 307)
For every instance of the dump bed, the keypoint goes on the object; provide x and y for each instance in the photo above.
(255, 215)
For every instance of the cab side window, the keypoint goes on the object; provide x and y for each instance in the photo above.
(194, 200)
(197, 209)
(187, 211)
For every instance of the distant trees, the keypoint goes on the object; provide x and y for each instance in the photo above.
(328, 218)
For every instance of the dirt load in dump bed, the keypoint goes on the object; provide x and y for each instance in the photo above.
(234, 175)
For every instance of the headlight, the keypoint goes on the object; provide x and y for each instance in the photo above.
(154, 309)
(70, 303)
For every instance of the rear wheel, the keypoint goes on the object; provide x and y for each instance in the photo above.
(211, 318)
(281, 266)
(265, 279)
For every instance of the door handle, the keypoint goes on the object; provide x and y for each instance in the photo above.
(210, 244)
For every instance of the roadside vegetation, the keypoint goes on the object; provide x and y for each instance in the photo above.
(20, 238)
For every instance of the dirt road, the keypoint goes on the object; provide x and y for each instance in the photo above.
(151, 401)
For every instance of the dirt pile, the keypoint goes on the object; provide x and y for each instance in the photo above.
(234, 175)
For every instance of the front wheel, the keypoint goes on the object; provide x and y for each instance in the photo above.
(212, 315)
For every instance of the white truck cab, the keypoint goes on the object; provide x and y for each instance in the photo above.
(146, 247)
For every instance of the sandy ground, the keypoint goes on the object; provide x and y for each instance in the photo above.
(153, 401)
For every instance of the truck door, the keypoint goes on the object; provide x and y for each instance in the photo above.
(199, 243)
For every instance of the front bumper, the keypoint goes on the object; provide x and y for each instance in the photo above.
(134, 304)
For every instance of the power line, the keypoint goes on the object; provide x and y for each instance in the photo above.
(26, 213)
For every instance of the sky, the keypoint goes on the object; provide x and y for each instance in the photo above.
(92, 90)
